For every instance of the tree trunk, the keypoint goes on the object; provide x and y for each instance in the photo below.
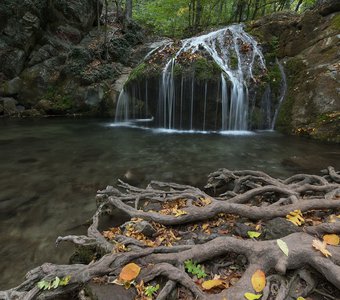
(128, 10)
(298, 5)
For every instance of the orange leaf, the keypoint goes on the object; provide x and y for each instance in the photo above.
(321, 246)
(129, 272)
(331, 239)
(209, 284)
(258, 280)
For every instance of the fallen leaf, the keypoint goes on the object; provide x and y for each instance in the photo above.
(129, 272)
(331, 239)
(258, 281)
(283, 246)
(179, 212)
(206, 201)
(251, 296)
(209, 284)
(253, 234)
(321, 246)
(300, 298)
(296, 217)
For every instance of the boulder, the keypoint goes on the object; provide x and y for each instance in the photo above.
(9, 106)
(78, 14)
(94, 95)
(278, 228)
(11, 87)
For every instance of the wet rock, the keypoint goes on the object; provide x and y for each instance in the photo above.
(278, 228)
(46, 106)
(143, 227)
(31, 113)
(11, 87)
(9, 106)
(78, 14)
(94, 95)
(42, 54)
(109, 291)
(12, 61)
(242, 230)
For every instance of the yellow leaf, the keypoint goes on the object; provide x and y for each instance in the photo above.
(206, 201)
(296, 217)
(129, 272)
(300, 298)
(205, 226)
(179, 212)
(258, 280)
(209, 284)
(251, 296)
(331, 239)
(321, 246)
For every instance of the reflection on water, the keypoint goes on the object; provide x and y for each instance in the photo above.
(51, 170)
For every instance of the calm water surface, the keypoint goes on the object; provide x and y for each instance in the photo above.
(51, 170)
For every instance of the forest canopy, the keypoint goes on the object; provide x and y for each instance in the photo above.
(178, 18)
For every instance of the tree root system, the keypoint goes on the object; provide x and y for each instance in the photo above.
(171, 226)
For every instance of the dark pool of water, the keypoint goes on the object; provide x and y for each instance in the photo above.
(51, 170)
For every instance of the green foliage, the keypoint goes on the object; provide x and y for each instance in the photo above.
(53, 284)
(194, 268)
(166, 17)
(151, 290)
(178, 18)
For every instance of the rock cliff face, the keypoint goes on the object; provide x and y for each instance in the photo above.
(53, 59)
(308, 46)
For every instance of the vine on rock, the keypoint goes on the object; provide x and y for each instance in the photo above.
(247, 235)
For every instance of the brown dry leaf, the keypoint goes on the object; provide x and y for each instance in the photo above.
(321, 246)
(209, 284)
(331, 239)
(119, 247)
(129, 272)
(110, 234)
(258, 281)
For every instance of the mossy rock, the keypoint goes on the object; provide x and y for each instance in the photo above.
(97, 74)
(138, 72)
(285, 118)
(119, 49)
(335, 22)
(59, 103)
(83, 255)
(205, 69)
(274, 77)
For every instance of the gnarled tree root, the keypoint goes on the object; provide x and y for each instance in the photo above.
(248, 194)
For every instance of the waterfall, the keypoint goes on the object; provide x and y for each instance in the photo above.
(283, 91)
(239, 59)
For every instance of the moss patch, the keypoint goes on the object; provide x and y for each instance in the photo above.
(274, 78)
(335, 22)
(205, 69)
(137, 72)
(285, 118)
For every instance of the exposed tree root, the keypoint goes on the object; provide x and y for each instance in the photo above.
(191, 224)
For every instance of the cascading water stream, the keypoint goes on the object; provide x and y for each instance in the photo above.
(238, 57)
(283, 92)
